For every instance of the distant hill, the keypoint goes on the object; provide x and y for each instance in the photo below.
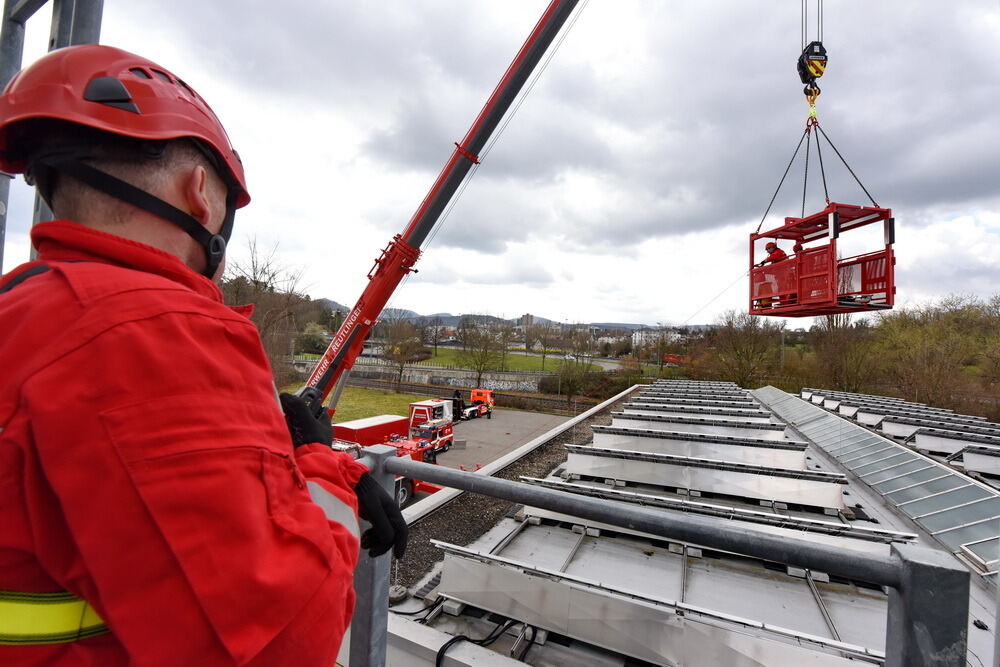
(618, 325)
(450, 320)
(333, 305)
(399, 314)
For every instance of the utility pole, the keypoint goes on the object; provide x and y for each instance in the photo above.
(781, 362)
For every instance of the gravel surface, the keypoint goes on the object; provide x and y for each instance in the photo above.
(470, 515)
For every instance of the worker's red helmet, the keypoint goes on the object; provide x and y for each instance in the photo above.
(118, 92)
(771, 245)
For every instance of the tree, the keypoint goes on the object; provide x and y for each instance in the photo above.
(434, 331)
(845, 353)
(580, 343)
(991, 344)
(466, 328)
(402, 343)
(925, 348)
(331, 319)
(745, 348)
(547, 337)
(530, 337)
(279, 309)
(572, 377)
(505, 334)
(622, 347)
(311, 340)
(481, 350)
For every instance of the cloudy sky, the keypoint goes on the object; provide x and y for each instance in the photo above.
(626, 185)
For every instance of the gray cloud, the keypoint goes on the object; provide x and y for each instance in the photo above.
(713, 104)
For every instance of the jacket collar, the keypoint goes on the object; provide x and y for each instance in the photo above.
(62, 240)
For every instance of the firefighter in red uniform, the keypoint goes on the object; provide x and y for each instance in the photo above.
(156, 509)
(774, 255)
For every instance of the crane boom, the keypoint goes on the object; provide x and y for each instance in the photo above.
(402, 252)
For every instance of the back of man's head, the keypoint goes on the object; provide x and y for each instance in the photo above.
(146, 164)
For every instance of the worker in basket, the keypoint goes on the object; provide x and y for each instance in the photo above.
(159, 507)
(774, 255)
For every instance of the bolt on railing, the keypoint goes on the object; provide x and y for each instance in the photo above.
(928, 590)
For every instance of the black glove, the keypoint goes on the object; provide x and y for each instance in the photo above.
(380, 510)
(305, 426)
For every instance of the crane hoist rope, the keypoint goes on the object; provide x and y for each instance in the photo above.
(811, 65)
(815, 279)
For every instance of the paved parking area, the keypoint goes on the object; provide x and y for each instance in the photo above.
(489, 439)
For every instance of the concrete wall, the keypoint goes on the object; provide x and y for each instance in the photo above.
(456, 377)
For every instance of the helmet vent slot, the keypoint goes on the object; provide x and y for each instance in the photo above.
(111, 92)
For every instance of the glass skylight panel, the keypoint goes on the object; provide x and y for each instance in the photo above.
(955, 509)
(978, 531)
(952, 498)
(852, 449)
(943, 482)
(987, 550)
(911, 472)
(884, 459)
(957, 516)
(822, 429)
(864, 455)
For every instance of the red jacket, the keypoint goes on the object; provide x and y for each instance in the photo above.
(775, 255)
(146, 468)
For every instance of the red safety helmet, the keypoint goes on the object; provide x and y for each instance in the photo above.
(115, 91)
(771, 245)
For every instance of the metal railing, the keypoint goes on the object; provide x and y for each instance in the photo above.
(928, 603)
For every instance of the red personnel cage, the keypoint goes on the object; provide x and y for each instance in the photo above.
(814, 280)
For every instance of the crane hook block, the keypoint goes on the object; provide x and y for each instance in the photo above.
(812, 63)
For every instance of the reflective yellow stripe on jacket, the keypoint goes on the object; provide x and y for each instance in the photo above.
(46, 618)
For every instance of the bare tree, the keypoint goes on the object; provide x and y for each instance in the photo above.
(466, 328)
(924, 349)
(434, 331)
(531, 336)
(402, 343)
(547, 336)
(745, 347)
(846, 354)
(279, 309)
(482, 350)
(505, 334)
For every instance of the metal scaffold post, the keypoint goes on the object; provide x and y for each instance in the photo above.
(371, 580)
(73, 22)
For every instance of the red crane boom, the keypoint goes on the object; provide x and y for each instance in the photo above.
(402, 252)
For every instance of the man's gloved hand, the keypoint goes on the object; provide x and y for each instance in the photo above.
(304, 426)
(380, 510)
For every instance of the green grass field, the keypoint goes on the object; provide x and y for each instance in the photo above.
(357, 403)
(447, 356)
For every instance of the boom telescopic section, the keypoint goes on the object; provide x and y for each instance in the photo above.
(402, 252)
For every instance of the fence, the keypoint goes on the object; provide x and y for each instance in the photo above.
(928, 591)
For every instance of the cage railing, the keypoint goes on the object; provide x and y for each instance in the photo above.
(928, 590)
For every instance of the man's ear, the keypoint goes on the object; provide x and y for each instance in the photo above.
(196, 194)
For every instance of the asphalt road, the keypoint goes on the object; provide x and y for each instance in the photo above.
(489, 439)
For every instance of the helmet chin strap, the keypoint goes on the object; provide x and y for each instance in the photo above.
(213, 244)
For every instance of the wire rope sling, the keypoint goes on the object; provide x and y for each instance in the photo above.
(813, 279)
